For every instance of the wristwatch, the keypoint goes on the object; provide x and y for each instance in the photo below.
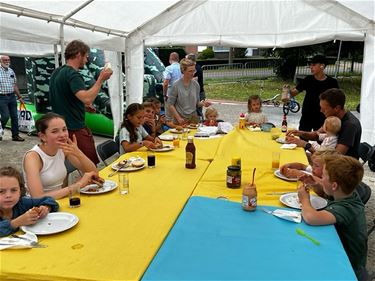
(307, 146)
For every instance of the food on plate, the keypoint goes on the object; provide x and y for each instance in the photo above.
(93, 189)
(179, 128)
(137, 163)
(193, 125)
(122, 163)
(158, 145)
(99, 181)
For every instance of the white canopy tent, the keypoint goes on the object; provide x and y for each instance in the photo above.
(130, 25)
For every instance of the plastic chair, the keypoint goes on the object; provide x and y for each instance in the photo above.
(107, 149)
(365, 152)
(364, 192)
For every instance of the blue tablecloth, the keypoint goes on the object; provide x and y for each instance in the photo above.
(215, 239)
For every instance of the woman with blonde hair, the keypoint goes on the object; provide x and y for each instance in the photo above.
(184, 98)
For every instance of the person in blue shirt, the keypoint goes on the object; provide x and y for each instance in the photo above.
(17, 210)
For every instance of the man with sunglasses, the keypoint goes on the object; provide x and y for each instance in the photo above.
(8, 100)
(69, 96)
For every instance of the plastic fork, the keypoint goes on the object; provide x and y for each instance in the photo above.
(303, 233)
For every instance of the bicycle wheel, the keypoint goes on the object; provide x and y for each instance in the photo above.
(276, 104)
(296, 107)
(286, 108)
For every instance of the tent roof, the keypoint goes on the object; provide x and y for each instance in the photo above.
(257, 23)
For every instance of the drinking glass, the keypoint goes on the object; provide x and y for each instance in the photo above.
(151, 159)
(123, 183)
(184, 134)
(275, 160)
(74, 198)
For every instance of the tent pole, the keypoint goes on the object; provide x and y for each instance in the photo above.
(56, 53)
(62, 44)
(338, 60)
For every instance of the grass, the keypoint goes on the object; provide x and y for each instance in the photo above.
(267, 88)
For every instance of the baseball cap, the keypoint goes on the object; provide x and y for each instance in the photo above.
(318, 59)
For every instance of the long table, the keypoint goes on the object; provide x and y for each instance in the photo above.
(216, 240)
(255, 150)
(118, 236)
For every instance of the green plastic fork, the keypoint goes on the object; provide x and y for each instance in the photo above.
(303, 233)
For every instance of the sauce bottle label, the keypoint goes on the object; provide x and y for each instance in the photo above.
(189, 158)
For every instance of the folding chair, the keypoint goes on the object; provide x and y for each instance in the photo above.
(364, 192)
(365, 152)
(107, 149)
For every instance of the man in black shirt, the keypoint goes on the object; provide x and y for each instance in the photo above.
(314, 85)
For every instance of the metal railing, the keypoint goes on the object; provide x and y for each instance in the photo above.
(238, 71)
(259, 69)
(342, 68)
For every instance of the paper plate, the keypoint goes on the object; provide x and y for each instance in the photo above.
(291, 200)
(52, 223)
(129, 168)
(278, 174)
(163, 149)
(93, 188)
(167, 137)
(174, 131)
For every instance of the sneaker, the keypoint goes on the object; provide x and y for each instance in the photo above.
(17, 138)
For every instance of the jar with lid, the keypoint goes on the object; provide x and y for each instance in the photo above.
(234, 177)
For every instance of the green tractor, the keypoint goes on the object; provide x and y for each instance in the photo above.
(39, 70)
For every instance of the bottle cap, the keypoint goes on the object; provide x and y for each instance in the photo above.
(242, 115)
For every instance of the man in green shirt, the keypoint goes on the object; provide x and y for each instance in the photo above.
(68, 95)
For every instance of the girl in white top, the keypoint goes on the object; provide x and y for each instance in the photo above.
(255, 116)
(43, 166)
(132, 134)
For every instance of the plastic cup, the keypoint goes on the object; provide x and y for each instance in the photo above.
(123, 183)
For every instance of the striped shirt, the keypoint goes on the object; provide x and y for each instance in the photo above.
(7, 80)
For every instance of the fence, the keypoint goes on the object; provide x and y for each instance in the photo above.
(261, 69)
(240, 71)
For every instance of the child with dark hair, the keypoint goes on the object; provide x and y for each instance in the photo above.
(341, 175)
(15, 210)
(132, 134)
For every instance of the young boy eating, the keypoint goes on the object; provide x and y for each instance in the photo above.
(341, 174)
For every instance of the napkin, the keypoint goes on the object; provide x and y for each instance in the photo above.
(288, 146)
(254, 129)
(293, 216)
(224, 127)
(206, 131)
(17, 243)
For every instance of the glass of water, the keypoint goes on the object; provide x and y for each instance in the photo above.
(123, 183)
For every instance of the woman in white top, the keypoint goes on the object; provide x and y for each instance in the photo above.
(43, 166)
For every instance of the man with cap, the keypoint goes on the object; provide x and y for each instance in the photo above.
(314, 85)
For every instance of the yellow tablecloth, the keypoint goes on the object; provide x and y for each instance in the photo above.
(117, 235)
(206, 148)
(255, 150)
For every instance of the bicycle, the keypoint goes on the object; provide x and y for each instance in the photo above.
(275, 101)
(292, 105)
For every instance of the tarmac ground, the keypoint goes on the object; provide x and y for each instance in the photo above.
(11, 153)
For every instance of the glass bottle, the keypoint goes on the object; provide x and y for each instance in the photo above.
(284, 125)
(249, 197)
(242, 121)
(190, 153)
